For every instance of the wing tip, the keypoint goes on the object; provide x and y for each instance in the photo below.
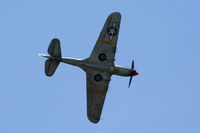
(116, 14)
(93, 120)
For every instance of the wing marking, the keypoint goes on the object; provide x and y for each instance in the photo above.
(94, 91)
(106, 42)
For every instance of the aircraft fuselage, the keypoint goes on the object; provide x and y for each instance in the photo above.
(85, 64)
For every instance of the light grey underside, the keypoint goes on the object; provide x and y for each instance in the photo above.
(96, 93)
(106, 43)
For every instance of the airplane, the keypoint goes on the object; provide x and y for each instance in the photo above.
(99, 66)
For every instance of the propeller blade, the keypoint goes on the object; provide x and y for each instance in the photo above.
(132, 66)
(130, 81)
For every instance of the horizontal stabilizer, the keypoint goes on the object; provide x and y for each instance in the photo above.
(54, 48)
(50, 66)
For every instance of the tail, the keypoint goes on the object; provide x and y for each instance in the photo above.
(52, 63)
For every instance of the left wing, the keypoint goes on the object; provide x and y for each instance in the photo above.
(97, 86)
(105, 47)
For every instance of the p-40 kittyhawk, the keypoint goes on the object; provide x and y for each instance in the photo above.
(99, 66)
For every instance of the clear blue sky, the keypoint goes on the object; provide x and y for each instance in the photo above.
(161, 35)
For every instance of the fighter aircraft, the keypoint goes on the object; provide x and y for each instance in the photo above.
(99, 66)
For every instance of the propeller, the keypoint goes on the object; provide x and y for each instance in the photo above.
(134, 73)
(130, 81)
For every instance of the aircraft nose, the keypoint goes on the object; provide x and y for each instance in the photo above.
(135, 73)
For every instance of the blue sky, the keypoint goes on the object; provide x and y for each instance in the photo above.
(162, 36)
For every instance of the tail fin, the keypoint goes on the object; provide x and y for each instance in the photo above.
(50, 66)
(55, 51)
(54, 48)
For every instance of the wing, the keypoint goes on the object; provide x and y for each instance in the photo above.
(105, 47)
(97, 86)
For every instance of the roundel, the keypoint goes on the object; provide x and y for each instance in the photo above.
(112, 31)
(102, 57)
(98, 77)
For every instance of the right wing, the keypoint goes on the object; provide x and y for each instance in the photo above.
(97, 86)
